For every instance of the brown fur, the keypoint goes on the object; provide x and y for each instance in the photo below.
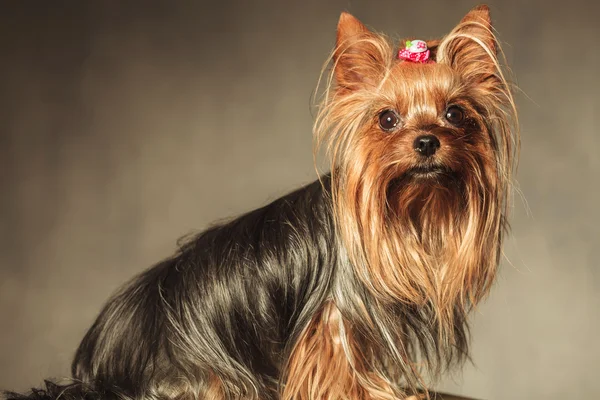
(320, 368)
(431, 243)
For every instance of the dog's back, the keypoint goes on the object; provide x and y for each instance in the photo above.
(220, 315)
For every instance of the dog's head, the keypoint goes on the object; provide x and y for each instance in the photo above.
(422, 151)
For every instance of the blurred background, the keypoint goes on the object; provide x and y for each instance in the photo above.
(125, 126)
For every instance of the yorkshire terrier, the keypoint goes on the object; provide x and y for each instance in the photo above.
(356, 286)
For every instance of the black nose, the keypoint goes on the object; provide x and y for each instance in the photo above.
(426, 145)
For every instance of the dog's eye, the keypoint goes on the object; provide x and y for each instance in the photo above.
(388, 120)
(455, 115)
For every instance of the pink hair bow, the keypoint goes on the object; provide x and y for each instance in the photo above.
(415, 51)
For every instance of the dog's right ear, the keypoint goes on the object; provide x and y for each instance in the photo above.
(471, 48)
(360, 55)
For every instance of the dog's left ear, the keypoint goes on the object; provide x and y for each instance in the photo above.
(360, 56)
(471, 47)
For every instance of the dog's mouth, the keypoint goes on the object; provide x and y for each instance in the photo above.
(429, 172)
(424, 176)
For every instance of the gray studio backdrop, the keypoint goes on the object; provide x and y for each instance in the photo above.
(125, 127)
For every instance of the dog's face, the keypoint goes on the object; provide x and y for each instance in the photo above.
(426, 127)
(421, 159)
(426, 145)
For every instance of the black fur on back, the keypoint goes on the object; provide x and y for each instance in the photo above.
(231, 301)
